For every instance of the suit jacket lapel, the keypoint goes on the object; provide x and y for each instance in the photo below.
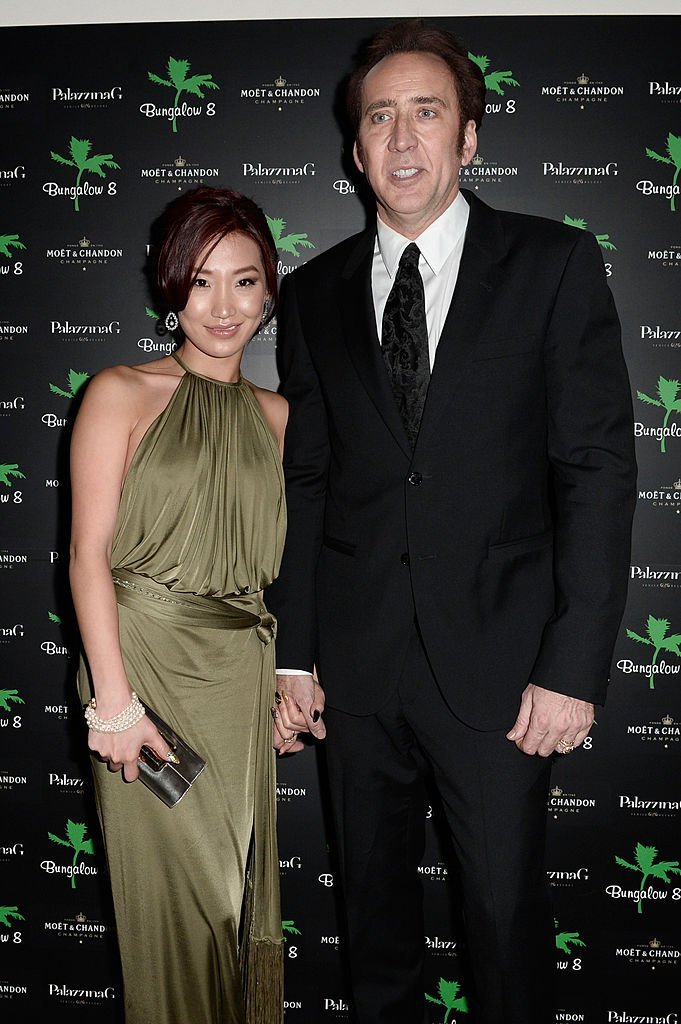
(476, 281)
(359, 326)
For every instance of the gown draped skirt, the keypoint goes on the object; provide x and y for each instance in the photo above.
(200, 532)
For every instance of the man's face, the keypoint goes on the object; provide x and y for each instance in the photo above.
(408, 143)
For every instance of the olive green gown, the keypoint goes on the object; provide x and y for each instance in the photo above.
(200, 532)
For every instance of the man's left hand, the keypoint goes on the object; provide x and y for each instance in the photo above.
(550, 722)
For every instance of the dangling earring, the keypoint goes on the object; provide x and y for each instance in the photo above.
(171, 321)
(267, 309)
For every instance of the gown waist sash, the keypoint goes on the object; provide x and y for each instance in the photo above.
(242, 611)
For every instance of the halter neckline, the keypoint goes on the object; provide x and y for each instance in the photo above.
(203, 376)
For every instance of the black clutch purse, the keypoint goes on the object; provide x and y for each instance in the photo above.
(167, 780)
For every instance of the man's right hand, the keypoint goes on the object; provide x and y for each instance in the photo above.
(298, 709)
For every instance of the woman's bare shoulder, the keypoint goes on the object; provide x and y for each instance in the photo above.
(274, 403)
(274, 407)
(272, 399)
(121, 382)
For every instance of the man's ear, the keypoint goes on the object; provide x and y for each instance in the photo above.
(357, 156)
(470, 143)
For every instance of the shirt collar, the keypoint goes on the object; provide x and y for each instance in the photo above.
(436, 243)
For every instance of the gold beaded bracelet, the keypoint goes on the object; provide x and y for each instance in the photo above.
(126, 718)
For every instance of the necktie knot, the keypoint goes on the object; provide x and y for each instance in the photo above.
(409, 260)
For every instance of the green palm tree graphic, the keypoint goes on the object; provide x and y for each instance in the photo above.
(8, 242)
(10, 469)
(79, 150)
(151, 313)
(8, 914)
(674, 159)
(9, 696)
(495, 80)
(289, 928)
(177, 80)
(76, 381)
(564, 940)
(645, 863)
(449, 998)
(53, 617)
(579, 222)
(76, 841)
(667, 391)
(287, 243)
(657, 638)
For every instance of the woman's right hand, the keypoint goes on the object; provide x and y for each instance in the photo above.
(121, 749)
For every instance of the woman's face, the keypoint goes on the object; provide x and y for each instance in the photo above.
(226, 300)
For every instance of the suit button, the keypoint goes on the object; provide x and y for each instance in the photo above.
(404, 558)
(415, 479)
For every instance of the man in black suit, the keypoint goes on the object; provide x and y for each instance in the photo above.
(460, 502)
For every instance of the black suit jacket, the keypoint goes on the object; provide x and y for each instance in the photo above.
(507, 529)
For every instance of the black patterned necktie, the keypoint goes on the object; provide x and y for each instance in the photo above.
(405, 341)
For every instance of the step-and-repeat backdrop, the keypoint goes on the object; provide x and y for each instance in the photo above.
(101, 126)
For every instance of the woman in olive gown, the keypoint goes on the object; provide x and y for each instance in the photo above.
(178, 522)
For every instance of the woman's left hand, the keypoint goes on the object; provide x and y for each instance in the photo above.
(298, 707)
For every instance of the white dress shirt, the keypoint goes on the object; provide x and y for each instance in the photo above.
(441, 245)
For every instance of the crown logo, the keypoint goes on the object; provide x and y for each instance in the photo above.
(556, 791)
(84, 242)
(80, 917)
(279, 81)
(583, 79)
(677, 484)
(180, 161)
(667, 720)
(654, 943)
(477, 160)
